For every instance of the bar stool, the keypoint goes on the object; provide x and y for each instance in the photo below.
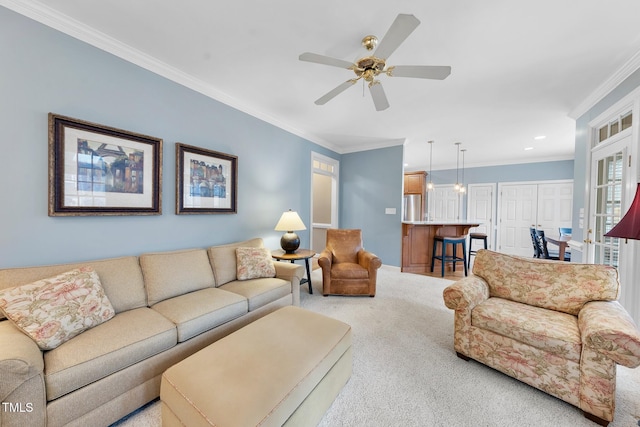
(472, 237)
(443, 257)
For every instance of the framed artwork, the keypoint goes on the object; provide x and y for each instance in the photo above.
(206, 181)
(100, 170)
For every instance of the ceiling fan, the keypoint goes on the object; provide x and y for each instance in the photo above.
(369, 67)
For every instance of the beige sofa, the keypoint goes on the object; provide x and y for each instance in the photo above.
(554, 325)
(168, 305)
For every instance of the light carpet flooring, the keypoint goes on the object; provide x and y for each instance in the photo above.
(406, 373)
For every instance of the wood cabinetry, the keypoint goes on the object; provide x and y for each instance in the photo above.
(415, 182)
(417, 242)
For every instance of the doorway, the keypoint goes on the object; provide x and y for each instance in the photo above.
(608, 175)
(612, 181)
(545, 205)
(481, 208)
(324, 199)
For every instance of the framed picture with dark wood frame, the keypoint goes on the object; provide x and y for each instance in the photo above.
(100, 170)
(206, 181)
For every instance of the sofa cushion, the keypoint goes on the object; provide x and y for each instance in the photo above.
(126, 339)
(169, 274)
(54, 310)
(254, 263)
(202, 310)
(560, 286)
(121, 279)
(548, 330)
(259, 292)
(223, 259)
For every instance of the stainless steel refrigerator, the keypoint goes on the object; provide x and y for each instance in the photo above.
(413, 207)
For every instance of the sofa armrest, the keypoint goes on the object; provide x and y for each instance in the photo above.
(607, 328)
(292, 273)
(466, 293)
(20, 359)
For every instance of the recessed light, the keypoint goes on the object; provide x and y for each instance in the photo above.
(539, 137)
(528, 148)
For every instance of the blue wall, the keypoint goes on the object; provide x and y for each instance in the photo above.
(46, 71)
(370, 182)
(542, 171)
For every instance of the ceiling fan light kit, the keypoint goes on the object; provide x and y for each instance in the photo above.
(370, 67)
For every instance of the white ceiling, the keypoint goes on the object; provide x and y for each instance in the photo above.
(519, 69)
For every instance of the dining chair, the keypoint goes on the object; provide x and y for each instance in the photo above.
(537, 250)
(565, 231)
(545, 252)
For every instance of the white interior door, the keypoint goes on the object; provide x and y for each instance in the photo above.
(324, 199)
(481, 208)
(444, 203)
(555, 207)
(518, 209)
(541, 205)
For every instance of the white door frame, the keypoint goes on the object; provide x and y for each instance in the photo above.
(334, 173)
(628, 268)
(491, 226)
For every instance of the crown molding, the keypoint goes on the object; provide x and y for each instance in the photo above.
(45, 15)
(452, 166)
(374, 145)
(607, 86)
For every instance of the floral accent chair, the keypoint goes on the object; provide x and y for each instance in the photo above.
(555, 326)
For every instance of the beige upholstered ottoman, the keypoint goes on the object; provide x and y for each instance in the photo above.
(283, 369)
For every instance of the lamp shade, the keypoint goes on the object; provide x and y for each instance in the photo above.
(629, 225)
(290, 221)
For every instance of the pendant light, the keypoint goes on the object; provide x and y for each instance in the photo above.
(463, 189)
(456, 186)
(430, 182)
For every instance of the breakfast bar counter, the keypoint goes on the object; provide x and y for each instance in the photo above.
(417, 241)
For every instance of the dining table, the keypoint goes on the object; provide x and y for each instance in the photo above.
(561, 242)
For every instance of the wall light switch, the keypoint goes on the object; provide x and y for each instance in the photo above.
(390, 211)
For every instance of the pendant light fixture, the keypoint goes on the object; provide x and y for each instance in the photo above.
(429, 181)
(456, 186)
(462, 189)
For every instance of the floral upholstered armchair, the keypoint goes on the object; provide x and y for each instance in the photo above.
(554, 325)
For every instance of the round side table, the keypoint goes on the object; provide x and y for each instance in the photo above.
(299, 254)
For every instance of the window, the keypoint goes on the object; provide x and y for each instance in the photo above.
(614, 127)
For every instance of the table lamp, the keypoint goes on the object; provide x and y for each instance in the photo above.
(290, 221)
(629, 225)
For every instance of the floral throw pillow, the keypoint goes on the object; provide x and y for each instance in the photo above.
(52, 311)
(254, 263)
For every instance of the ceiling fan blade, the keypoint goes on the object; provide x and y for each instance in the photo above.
(378, 95)
(400, 29)
(437, 72)
(325, 60)
(335, 92)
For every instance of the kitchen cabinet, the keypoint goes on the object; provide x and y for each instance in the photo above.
(417, 242)
(415, 182)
